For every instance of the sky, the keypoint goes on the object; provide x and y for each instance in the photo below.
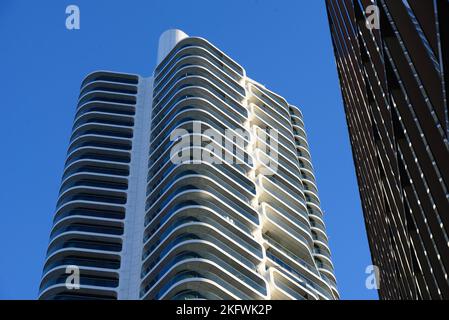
(284, 45)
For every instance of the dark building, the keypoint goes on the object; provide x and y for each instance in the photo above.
(395, 91)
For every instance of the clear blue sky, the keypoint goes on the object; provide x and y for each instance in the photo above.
(282, 44)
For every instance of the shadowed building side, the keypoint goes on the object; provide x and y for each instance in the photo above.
(394, 84)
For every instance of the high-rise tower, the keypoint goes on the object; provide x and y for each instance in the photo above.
(196, 183)
(392, 58)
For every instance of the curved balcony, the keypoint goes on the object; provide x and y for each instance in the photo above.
(196, 105)
(209, 246)
(101, 154)
(262, 116)
(105, 121)
(330, 278)
(247, 254)
(108, 86)
(302, 142)
(189, 108)
(155, 233)
(268, 130)
(311, 188)
(271, 96)
(308, 176)
(312, 198)
(108, 211)
(202, 131)
(196, 172)
(286, 289)
(292, 223)
(85, 240)
(279, 224)
(184, 247)
(202, 60)
(318, 224)
(245, 220)
(88, 224)
(324, 267)
(294, 249)
(297, 274)
(100, 141)
(209, 270)
(320, 238)
(110, 76)
(195, 70)
(279, 174)
(200, 46)
(184, 251)
(103, 194)
(105, 107)
(303, 153)
(198, 133)
(161, 225)
(103, 264)
(198, 182)
(299, 131)
(63, 225)
(118, 121)
(305, 163)
(105, 181)
(272, 192)
(285, 157)
(88, 292)
(277, 108)
(107, 96)
(96, 166)
(168, 162)
(101, 129)
(295, 111)
(323, 254)
(89, 277)
(94, 258)
(296, 118)
(192, 85)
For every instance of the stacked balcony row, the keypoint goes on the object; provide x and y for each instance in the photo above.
(88, 223)
(199, 219)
